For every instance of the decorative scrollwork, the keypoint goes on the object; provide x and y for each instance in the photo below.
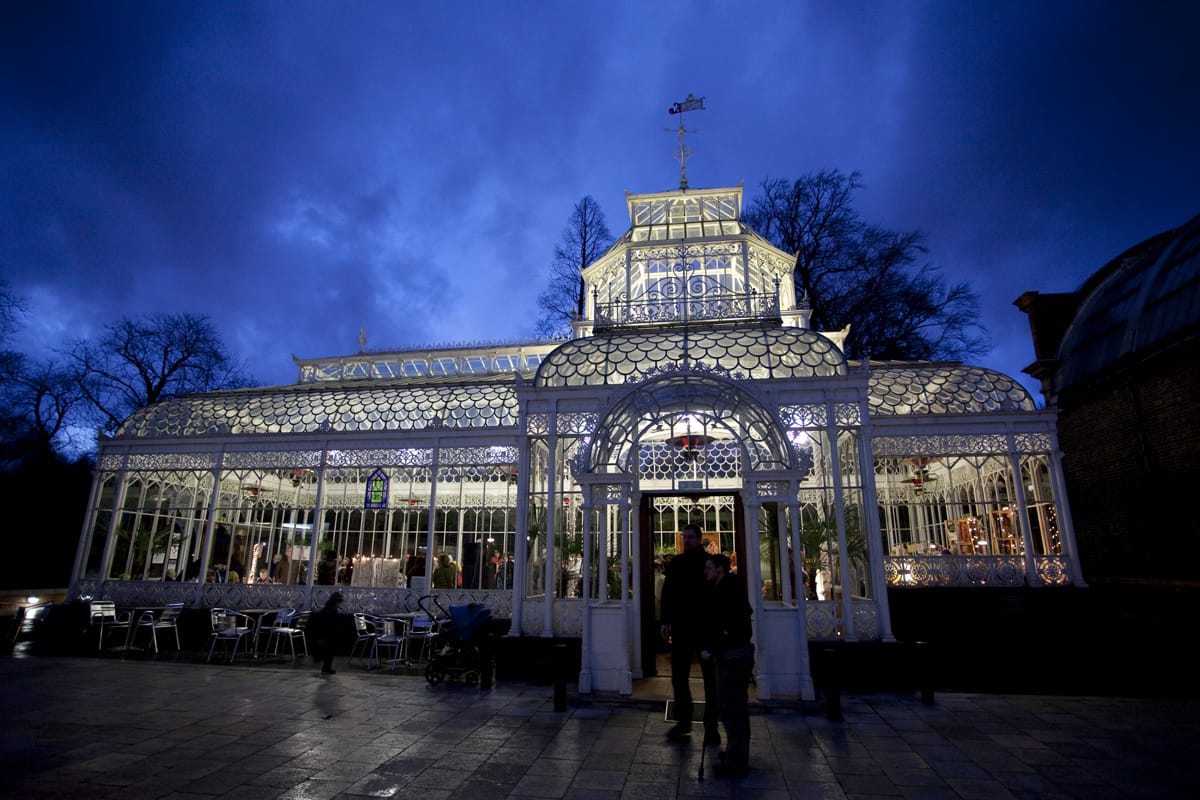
(919, 571)
(848, 414)
(170, 461)
(581, 423)
(1052, 570)
(272, 459)
(110, 462)
(808, 415)
(980, 444)
(375, 457)
(770, 490)
(823, 619)
(1032, 443)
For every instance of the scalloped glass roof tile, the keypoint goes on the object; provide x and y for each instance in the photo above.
(327, 408)
(751, 352)
(943, 389)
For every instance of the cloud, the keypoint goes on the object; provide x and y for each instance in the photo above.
(298, 172)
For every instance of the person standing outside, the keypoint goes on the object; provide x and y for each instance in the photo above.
(323, 627)
(683, 591)
(725, 641)
(445, 574)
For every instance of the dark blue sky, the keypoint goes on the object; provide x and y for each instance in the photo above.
(298, 170)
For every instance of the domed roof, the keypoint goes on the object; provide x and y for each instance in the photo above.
(755, 352)
(943, 389)
(1144, 297)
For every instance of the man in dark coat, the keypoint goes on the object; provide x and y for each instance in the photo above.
(682, 592)
(725, 640)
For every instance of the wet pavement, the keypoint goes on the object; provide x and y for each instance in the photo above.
(180, 728)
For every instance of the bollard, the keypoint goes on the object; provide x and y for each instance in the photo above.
(833, 692)
(559, 666)
(924, 668)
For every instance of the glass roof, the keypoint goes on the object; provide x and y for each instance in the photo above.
(347, 407)
(491, 401)
(752, 352)
(943, 389)
(1145, 296)
(438, 361)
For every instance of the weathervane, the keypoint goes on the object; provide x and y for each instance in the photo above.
(690, 104)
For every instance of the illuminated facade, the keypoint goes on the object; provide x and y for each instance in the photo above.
(558, 474)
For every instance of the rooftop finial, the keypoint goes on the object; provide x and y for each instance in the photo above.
(690, 104)
(362, 339)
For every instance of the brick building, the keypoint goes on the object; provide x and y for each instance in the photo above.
(1120, 361)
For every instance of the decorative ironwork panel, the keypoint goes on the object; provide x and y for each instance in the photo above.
(477, 455)
(247, 595)
(923, 571)
(671, 303)
(944, 389)
(1032, 443)
(537, 424)
(578, 423)
(980, 444)
(809, 415)
(110, 462)
(273, 459)
(770, 490)
(399, 457)
(824, 618)
(156, 462)
(1052, 570)
(141, 593)
(866, 621)
(848, 414)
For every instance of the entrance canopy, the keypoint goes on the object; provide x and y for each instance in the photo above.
(688, 411)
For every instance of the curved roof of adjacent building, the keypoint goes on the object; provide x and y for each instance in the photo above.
(1145, 297)
(749, 352)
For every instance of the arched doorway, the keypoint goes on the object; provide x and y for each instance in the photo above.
(669, 448)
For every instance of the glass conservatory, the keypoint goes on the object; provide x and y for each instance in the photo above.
(557, 475)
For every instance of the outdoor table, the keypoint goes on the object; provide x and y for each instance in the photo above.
(135, 613)
(256, 615)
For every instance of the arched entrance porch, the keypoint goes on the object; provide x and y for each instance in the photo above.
(672, 447)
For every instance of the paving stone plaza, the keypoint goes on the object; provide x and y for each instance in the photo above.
(140, 728)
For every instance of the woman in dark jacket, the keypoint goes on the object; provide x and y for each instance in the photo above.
(323, 627)
(725, 638)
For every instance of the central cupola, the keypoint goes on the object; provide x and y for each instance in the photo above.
(688, 258)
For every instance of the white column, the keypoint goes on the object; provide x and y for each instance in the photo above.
(839, 513)
(871, 530)
(86, 533)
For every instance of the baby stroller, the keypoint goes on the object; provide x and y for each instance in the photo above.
(456, 651)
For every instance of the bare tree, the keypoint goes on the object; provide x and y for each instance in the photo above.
(585, 239)
(141, 361)
(11, 309)
(865, 276)
(41, 399)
